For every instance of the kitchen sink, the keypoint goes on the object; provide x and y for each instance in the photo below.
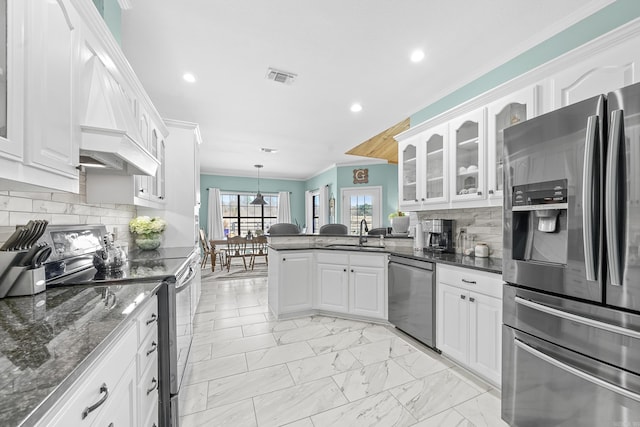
(356, 248)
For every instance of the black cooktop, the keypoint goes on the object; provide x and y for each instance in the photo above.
(142, 266)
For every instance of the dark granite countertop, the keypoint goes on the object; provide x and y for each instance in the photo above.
(491, 265)
(47, 340)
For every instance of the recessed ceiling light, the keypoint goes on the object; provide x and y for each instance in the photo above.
(417, 55)
(189, 77)
(268, 150)
(356, 107)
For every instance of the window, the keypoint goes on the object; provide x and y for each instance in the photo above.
(239, 216)
(361, 203)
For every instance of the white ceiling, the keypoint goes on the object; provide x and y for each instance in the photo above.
(343, 51)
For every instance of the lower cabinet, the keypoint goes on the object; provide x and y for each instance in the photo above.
(120, 387)
(469, 319)
(344, 283)
(294, 281)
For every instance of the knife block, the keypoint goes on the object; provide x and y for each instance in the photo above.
(18, 280)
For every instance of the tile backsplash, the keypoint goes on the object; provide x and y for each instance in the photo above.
(483, 223)
(18, 207)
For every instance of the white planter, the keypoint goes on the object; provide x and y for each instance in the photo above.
(400, 224)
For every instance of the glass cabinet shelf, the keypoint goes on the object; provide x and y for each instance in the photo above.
(467, 142)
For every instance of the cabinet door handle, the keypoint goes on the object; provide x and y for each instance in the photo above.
(490, 191)
(471, 282)
(154, 347)
(472, 299)
(345, 270)
(422, 199)
(153, 318)
(352, 270)
(463, 297)
(154, 385)
(89, 409)
(415, 200)
(479, 193)
(284, 259)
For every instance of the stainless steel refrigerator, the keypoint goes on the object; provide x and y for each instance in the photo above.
(571, 308)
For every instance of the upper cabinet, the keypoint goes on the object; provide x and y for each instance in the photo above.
(69, 99)
(469, 145)
(615, 67)
(38, 129)
(422, 169)
(501, 114)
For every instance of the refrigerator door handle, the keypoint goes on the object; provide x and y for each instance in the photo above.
(611, 198)
(577, 372)
(587, 197)
(578, 319)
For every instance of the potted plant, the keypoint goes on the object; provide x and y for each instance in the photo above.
(399, 222)
(147, 231)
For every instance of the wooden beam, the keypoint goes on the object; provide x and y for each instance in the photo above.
(382, 146)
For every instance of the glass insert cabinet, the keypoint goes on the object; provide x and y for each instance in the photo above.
(469, 165)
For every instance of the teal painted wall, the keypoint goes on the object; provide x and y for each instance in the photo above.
(112, 15)
(608, 18)
(385, 175)
(250, 185)
(336, 178)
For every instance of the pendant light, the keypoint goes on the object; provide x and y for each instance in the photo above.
(259, 200)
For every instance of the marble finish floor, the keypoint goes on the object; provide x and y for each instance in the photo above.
(247, 369)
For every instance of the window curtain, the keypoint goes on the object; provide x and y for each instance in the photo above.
(324, 206)
(214, 221)
(284, 207)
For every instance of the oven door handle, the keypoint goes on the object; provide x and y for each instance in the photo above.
(578, 319)
(577, 372)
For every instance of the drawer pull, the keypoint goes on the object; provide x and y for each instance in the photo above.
(463, 297)
(472, 299)
(471, 282)
(154, 347)
(154, 318)
(90, 409)
(154, 386)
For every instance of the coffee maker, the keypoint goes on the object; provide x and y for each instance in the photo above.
(439, 235)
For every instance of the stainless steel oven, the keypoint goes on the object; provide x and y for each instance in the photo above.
(178, 300)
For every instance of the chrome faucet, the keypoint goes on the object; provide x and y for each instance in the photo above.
(363, 238)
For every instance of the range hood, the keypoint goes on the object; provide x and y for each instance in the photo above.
(110, 135)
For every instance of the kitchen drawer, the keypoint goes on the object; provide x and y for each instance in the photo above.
(470, 279)
(88, 390)
(332, 257)
(371, 260)
(147, 352)
(148, 390)
(147, 320)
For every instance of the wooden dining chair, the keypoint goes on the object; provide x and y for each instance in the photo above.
(236, 248)
(210, 252)
(259, 249)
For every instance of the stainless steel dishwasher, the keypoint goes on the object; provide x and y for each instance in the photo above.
(412, 298)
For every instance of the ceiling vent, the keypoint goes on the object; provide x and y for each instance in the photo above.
(281, 76)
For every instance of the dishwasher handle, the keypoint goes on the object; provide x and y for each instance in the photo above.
(422, 264)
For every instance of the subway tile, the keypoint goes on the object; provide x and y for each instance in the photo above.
(51, 207)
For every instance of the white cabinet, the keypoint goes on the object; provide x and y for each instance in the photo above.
(39, 146)
(178, 180)
(613, 68)
(367, 289)
(51, 132)
(341, 282)
(423, 169)
(85, 403)
(468, 169)
(120, 387)
(290, 281)
(352, 283)
(332, 285)
(469, 319)
(501, 114)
